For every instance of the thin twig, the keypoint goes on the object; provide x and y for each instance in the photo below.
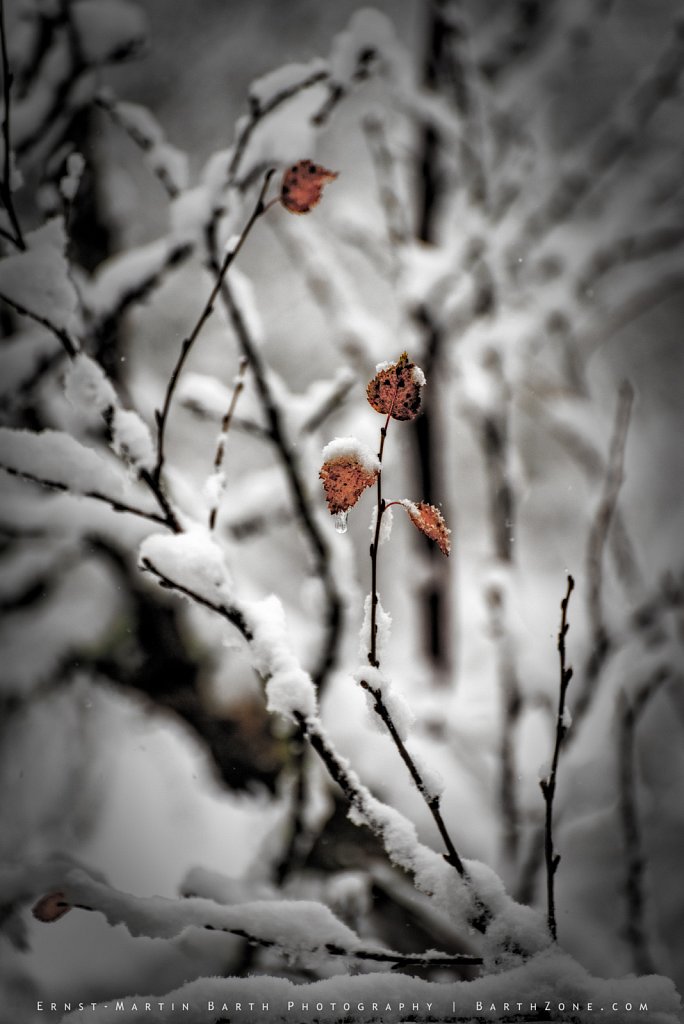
(428, 959)
(225, 427)
(601, 644)
(610, 143)
(114, 503)
(548, 785)
(287, 456)
(513, 704)
(108, 319)
(6, 183)
(228, 612)
(68, 343)
(310, 728)
(630, 712)
(384, 167)
(162, 416)
(432, 801)
(138, 137)
(293, 849)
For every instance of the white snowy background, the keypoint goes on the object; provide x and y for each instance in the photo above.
(509, 211)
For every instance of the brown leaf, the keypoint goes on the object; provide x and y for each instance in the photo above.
(345, 478)
(396, 389)
(430, 521)
(51, 907)
(302, 186)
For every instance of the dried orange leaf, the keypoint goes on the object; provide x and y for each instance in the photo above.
(430, 521)
(349, 467)
(396, 389)
(51, 907)
(344, 480)
(302, 186)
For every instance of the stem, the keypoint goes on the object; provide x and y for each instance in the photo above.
(162, 416)
(432, 802)
(380, 707)
(548, 785)
(372, 654)
(5, 185)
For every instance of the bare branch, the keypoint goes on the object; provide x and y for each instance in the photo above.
(228, 612)
(288, 459)
(630, 712)
(612, 141)
(107, 103)
(162, 416)
(596, 542)
(548, 785)
(512, 706)
(68, 343)
(6, 183)
(114, 503)
(225, 427)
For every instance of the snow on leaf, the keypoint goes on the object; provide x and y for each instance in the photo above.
(430, 521)
(349, 468)
(51, 907)
(302, 186)
(396, 389)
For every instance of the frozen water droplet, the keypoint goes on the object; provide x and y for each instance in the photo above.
(341, 521)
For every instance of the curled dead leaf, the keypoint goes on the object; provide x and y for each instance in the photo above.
(51, 907)
(345, 478)
(396, 389)
(430, 521)
(302, 186)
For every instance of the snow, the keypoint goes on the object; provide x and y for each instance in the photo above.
(38, 280)
(289, 688)
(383, 624)
(385, 525)
(107, 27)
(385, 996)
(55, 456)
(418, 376)
(23, 353)
(399, 711)
(367, 29)
(246, 302)
(68, 185)
(164, 160)
(283, 79)
(188, 213)
(124, 273)
(205, 393)
(433, 782)
(214, 488)
(131, 439)
(351, 448)
(193, 560)
(87, 387)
